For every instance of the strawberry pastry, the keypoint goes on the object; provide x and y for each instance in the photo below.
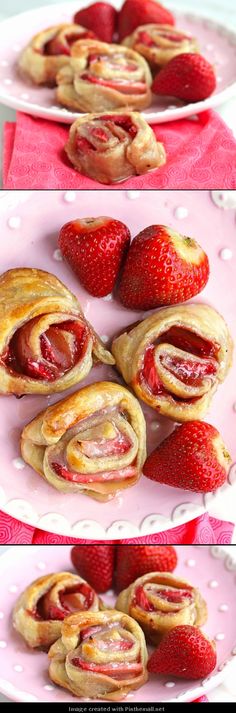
(41, 608)
(112, 147)
(160, 43)
(103, 77)
(99, 655)
(92, 442)
(160, 601)
(50, 50)
(46, 344)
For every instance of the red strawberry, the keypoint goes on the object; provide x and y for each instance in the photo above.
(193, 457)
(132, 561)
(95, 563)
(203, 699)
(189, 77)
(95, 249)
(184, 652)
(101, 17)
(142, 12)
(162, 267)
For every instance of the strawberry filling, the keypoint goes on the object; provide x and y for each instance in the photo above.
(69, 600)
(189, 372)
(145, 39)
(167, 595)
(149, 373)
(74, 477)
(120, 85)
(103, 134)
(56, 46)
(191, 342)
(141, 600)
(116, 670)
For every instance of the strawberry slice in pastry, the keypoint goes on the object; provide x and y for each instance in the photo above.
(112, 147)
(100, 655)
(160, 43)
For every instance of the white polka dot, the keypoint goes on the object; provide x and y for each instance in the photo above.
(226, 254)
(7, 82)
(25, 96)
(49, 688)
(133, 195)
(170, 684)
(190, 563)
(213, 584)
(69, 196)
(13, 589)
(104, 338)
(209, 47)
(18, 668)
(41, 565)
(219, 637)
(181, 212)
(14, 222)
(107, 298)
(219, 80)
(154, 426)
(1, 615)
(223, 607)
(3, 644)
(57, 255)
(16, 48)
(18, 463)
(4, 63)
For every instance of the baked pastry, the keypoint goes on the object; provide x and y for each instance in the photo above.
(103, 77)
(41, 608)
(92, 442)
(112, 147)
(175, 359)
(159, 601)
(50, 50)
(99, 655)
(160, 43)
(46, 344)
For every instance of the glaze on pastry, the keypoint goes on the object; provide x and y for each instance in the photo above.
(99, 655)
(92, 442)
(175, 359)
(41, 608)
(102, 77)
(50, 50)
(159, 601)
(46, 344)
(112, 147)
(160, 43)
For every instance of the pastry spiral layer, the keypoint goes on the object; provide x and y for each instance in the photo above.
(41, 608)
(175, 359)
(46, 344)
(103, 77)
(111, 147)
(159, 601)
(92, 442)
(160, 43)
(99, 655)
(50, 50)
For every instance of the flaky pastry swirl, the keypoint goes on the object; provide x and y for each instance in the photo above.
(100, 655)
(160, 43)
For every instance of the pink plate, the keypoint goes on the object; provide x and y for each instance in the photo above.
(217, 43)
(30, 225)
(24, 675)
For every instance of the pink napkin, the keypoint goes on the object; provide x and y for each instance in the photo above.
(204, 530)
(201, 153)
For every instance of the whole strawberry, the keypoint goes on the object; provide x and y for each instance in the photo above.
(95, 249)
(95, 563)
(132, 561)
(188, 76)
(184, 652)
(203, 699)
(142, 12)
(162, 268)
(194, 457)
(101, 17)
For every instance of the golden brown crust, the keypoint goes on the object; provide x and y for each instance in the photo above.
(67, 433)
(193, 401)
(187, 605)
(86, 683)
(39, 632)
(84, 95)
(27, 293)
(123, 154)
(167, 42)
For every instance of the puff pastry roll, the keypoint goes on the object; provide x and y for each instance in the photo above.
(99, 655)
(50, 50)
(46, 344)
(160, 43)
(92, 442)
(41, 608)
(159, 601)
(101, 77)
(112, 147)
(175, 359)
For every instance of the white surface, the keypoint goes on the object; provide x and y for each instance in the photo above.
(226, 693)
